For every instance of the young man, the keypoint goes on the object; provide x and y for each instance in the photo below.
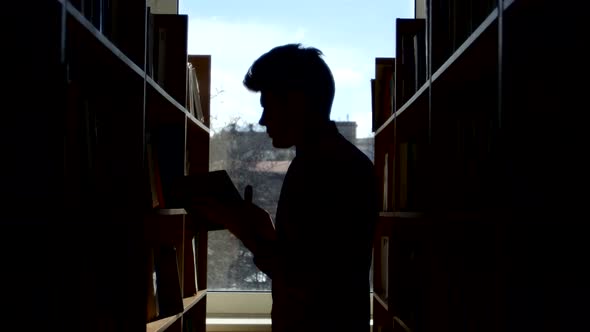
(319, 253)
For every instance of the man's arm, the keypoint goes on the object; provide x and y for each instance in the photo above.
(248, 222)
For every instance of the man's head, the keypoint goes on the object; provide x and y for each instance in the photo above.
(296, 92)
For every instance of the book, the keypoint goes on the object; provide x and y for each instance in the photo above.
(169, 53)
(190, 100)
(162, 6)
(152, 310)
(374, 123)
(216, 185)
(190, 273)
(410, 47)
(198, 107)
(420, 71)
(385, 267)
(154, 175)
(168, 151)
(193, 94)
(213, 184)
(386, 183)
(192, 191)
(383, 90)
(202, 66)
(168, 282)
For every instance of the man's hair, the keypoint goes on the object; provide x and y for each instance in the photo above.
(292, 66)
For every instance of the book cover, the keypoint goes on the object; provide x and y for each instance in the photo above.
(386, 183)
(385, 267)
(405, 66)
(189, 284)
(168, 282)
(384, 87)
(168, 144)
(202, 66)
(169, 47)
(152, 289)
(214, 184)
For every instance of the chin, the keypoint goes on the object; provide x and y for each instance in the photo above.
(281, 144)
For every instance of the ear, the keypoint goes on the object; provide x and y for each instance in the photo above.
(301, 102)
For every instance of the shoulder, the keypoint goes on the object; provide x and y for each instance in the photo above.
(349, 155)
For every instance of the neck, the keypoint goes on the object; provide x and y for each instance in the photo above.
(315, 135)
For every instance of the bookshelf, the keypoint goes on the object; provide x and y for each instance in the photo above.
(95, 123)
(468, 194)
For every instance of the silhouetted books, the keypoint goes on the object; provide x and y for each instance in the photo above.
(214, 185)
(169, 296)
(193, 191)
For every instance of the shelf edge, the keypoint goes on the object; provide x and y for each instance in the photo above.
(170, 212)
(404, 107)
(198, 122)
(405, 215)
(381, 301)
(162, 324)
(190, 302)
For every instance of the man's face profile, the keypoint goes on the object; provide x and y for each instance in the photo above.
(282, 116)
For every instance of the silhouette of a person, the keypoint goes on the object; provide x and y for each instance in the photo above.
(319, 253)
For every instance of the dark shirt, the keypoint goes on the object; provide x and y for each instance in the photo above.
(324, 226)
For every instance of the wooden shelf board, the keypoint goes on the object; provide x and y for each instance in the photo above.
(154, 85)
(456, 56)
(447, 65)
(164, 323)
(162, 94)
(381, 301)
(170, 212)
(411, 102)
(195, 122)
(190, 302)
(458, 216)
(399, 214)
(398, 320)
(98, 36)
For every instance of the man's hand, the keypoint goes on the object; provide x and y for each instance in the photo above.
(248, 222)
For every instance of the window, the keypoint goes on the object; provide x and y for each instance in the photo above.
(350, 33)
(246, 153)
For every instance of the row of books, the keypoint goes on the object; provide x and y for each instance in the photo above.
(171, 277)
(398, 78)
(165, 52)
(454, 171)
(120, 21)
(98, 12)
(453, 21)
(169, 64)
(383, 91)
(400, 175)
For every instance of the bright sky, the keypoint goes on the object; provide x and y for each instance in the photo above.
(349, 33)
